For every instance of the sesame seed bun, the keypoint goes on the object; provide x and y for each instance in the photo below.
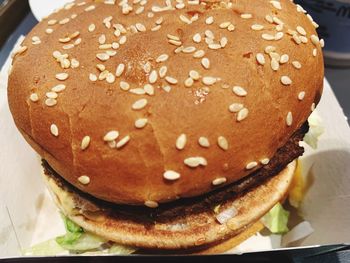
(192, 229)
(146, 103)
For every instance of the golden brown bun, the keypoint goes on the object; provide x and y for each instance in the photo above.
(197, 229)
(133, 174)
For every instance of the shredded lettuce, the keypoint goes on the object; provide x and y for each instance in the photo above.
(46, 248)
(116, 249)
(315, 131)
(85, 242)
(276, 220)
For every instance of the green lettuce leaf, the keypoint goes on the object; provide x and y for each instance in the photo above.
(116, 249)
(276, 220)
(46, 248)
(85, 242)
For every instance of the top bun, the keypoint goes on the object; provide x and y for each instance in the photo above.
(147, 102)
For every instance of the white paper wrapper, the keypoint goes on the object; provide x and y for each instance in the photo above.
(28, 216)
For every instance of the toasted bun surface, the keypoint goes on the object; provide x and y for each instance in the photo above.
(198, 228)
(70, 134)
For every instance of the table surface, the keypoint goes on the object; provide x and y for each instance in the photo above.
(339, 78)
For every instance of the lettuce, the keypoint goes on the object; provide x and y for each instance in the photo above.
(46, 248)
(315, 131)
(276, 220)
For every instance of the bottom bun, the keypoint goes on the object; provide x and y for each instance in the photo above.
(181, 225)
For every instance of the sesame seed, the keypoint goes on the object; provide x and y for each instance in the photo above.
(180, 5)
(85, 142)
(172, 37)
(209, 34)
(223, 42)
(224, 25)
(188, 82)
(102, 56)
(139, 10)
(301, 95)
(301, 30)
(289, 119)
(162, 71)
(265, 161)
(151, 204)
(103, 75)
(251, 165)
(171, 175)
(54, 130)
(178, 49)
(140, 27)
(279, 35)
(231, 27)
(112, 144)
(181, 141)
(205, 63)
(123, 142)
(141, 123)
(74, 63)
(50, 102)
(111, 136)
(115, 45)
(209, 80)
(239, 91)
(84, 179)
(279, 27)
(122, 40)
(92, 77)
(313, 106)
(162, 58)
(235, 107)
(62, 76)
(199, 53)
(20, 50)
(197, 38)
(120, 69)
(214, 46)
(218, 181)
(296, 39)
(111, 53)
(51, 95)
(139, 104)
(101, 67)
(194, 162)
(138, 91)
(91, 27)
(124, 85)
(171, 80)
(223, 143)
(34, 97)
(185, 19)
(153, 77)
(64, 21)
(284, 59)
(322, 43)
(276, 4)
(58, 88)
(268, 37)
(69, 46)
(315, 40)
(51, 22)
(160, 20)
(246, 16)
(189, 49)
(204, 142)
(166, 88)
(149, 89)
(49, 30)
(274, 64)
(257, 27)
(242, 114)
(102, 39)
(270, 49)
(209, 20)
(260, 58)
(110, 78)
(314, 52)
(194, 74)
(286, 80)
(90, 8)
(269, 19)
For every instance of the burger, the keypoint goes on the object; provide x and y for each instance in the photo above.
(168, 125)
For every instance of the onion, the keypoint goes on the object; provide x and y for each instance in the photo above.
(226, 215)
(298, 232)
